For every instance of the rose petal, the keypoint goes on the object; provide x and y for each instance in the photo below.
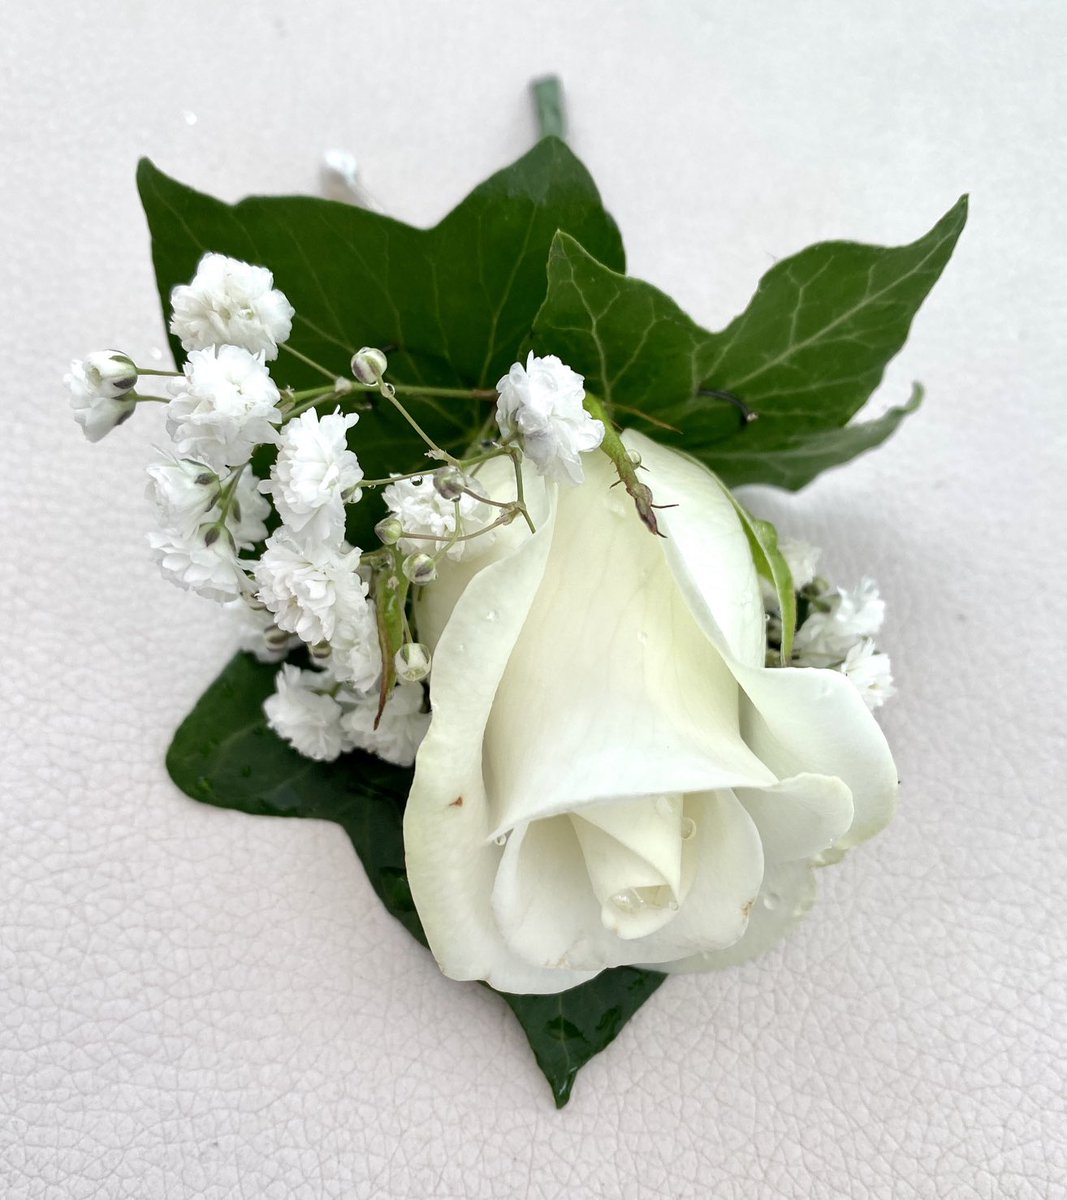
(452, 863)
(612, 689)
(649, 827)
(706, 548)
(812, 721)
(548, 912)
(800, 816)
(725, 856)
(788, 892)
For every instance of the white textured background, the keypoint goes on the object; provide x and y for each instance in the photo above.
(197, 1003)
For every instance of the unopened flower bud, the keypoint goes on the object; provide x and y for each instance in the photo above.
(320, 652)
(450, 482)
(275, 639)
(412, 662)
(419, 568)
(389, 530)
(369, 365)
(110, 373)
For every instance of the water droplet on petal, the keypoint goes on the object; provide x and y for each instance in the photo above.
(628, 901)
(501, 840)
(771, 901)
(673, 906)
(155, 354)
(491, 615)
(189, 117)
(689, 828)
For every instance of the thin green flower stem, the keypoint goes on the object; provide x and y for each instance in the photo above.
(388, 392)
(457, 532)
(505, 519)
(131, 395)
(227, 493)
(320, 398)
(485, 500)
(370, 483)
(516, 457)
(464, 463)
(416, 389)
(152, 371)
(308, 393)
(330, 375)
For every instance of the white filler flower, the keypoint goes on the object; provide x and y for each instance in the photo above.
(224, 405)
(99, 386)
(542, 404)
(211, 570)
(314, 475)
(612, 775)
(229, 301)
(400, 731)
(826, 637)
(802, 559)
(870, 672)
(310, 589)
(182, 491)
(423, 511)
(304, 714)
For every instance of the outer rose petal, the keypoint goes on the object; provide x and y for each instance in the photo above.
(451, 858)
(797, 720)
(788, 892)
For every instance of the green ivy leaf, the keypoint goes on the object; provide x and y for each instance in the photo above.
(224, 754)
(804, 356)
(567, 1029)
(453, 304)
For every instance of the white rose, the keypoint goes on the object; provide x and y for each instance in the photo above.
(611, 775)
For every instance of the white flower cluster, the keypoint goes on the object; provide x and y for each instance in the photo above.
(840, 628)
(273, 551)
(322, 719)
(543, 404)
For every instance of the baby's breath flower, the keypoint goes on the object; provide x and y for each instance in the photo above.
(542, 404)
(401, 729)
(310, 589)
(229, 301)
(204, 562)
(302, 713)
(99, 386)
(422, 510)
(802, 558)
(248, 512)
(827, 636)
(186, 492)
(870, 672)
(224, 405)
(183, 491)
(314, 475)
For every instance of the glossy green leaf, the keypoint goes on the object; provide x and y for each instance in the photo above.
(567, 1029)
(452, 304)
(224, 754)
(804, 356)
